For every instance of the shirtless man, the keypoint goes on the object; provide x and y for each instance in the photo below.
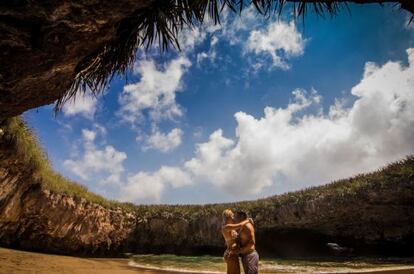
(231, 236)
(247, 238)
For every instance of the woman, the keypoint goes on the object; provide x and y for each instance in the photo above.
(231, 238)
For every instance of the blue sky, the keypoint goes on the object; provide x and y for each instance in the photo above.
(248, 109)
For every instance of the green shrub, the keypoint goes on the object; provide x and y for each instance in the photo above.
(27, 148)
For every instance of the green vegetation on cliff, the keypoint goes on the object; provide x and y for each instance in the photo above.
(16, 134)
(370, 213)
(27, 147)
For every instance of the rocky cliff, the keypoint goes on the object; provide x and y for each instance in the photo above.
(371, 214)
(42, 42)
(34, 218)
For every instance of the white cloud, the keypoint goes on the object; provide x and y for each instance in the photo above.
(164, 142)
(104, 164)
(234, 27)
(280, 40)
(155, 92)
(211, 54)
(306, 149)
(150, 186)
(142, 186)
(84, 105)
(295, 147)
(88, 135)
(202, 56)
(189, 37)
(257, 36)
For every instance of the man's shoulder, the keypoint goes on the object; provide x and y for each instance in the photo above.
(249, 226)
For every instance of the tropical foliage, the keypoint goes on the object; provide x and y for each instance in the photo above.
(160, 22)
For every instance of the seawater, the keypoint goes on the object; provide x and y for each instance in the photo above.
(213, 264)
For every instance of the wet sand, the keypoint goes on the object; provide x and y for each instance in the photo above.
(385, 271)
(15, 261)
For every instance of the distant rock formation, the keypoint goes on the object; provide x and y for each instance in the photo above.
(34, 218)
(372, 214)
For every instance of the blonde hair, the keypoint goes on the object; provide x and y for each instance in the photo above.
(227, 214)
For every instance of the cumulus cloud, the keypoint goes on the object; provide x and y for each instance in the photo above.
(280, 39)
(106, 163)
(150, 186)
(155, 92)
(247, 165)
(164, 142)
(304, 149)
(84, 105)
(301, 145)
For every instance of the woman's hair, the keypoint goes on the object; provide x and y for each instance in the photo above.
(227, 214)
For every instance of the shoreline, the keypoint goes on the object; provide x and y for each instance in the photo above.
(18, 262)
(169, 270)
(379, 270)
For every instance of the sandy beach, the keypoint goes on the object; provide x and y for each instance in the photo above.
(16, 261)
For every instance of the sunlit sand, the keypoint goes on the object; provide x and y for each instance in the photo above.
(14, 261)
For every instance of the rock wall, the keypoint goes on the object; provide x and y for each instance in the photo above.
(375, 219)
(34, 218)
(376, 216)
(42, 42)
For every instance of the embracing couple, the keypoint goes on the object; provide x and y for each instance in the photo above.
(238, 232)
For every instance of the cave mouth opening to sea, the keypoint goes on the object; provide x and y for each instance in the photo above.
(307, 126)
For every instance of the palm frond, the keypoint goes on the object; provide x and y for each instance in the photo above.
(160, 22)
